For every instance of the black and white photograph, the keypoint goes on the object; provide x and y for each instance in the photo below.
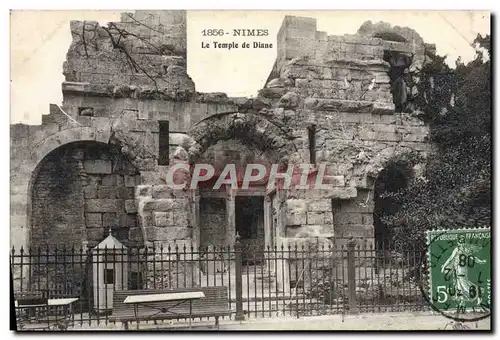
(257, 170)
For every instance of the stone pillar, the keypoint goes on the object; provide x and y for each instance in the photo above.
(268, 240)
(195, 208)
(267, 222)
(231, 218)
(282, 267)
(281, 212)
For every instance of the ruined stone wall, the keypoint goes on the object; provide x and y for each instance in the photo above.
(164, 214)
(339, 85)
(298, 37)
(354, 217)
(81, 191)
(146, 49)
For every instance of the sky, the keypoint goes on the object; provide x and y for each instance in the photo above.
(40, 40)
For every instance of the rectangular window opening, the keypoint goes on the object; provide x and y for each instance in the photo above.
(109, 276)
(163, 147)
(311, 132)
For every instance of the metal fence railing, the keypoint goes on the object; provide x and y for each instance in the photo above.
(293, 279)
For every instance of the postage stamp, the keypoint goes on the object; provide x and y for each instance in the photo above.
(460, 272)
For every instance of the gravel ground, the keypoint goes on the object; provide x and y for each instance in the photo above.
(382, 321)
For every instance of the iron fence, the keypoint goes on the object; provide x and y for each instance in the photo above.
(303, 278)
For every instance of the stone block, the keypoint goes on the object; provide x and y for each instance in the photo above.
(383, 108)
(110, 220)
(135, 234)
(360, 207)
(95, 235)
(338, 181)
(180, 218)
(296, 205)
(388, 136)
(130, 193)
(119, 180)
(368, 135)
(366, 118)
(348, 218)
(414, 138)
(172, 233)
(162, 191)
(123, 192)
(128, 220)
(322, 205)
(367, 219)
(163, 219)
(355, 230)
(343, 193)
(129, 181)
(387, 119)
(159, 205)
(90, 191)
(296, 218)
(384, 128)
(144, 191)
(106, 192)
(146, 125)
(97, 166)
(130, 206)
(103, 205)
(108, 180)
(146, 219)
(316, 217)
(151, 233)
(306, 231)
(328, 218)
(93, 220)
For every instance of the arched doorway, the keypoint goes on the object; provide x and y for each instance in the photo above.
(393, 178)
(79, 192)
(248, 204)
(240, 139)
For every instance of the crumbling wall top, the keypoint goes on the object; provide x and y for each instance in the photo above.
(298, 37)
(146, 49)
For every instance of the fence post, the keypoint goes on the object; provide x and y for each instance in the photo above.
(239, 279)
(351, 276)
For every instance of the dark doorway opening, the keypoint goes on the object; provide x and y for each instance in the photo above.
(392, 179)
(250, 226)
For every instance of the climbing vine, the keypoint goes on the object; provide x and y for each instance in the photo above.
(454, 190)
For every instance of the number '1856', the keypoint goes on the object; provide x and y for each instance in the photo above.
(212, 32)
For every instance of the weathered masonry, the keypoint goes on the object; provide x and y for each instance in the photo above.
(130, 111)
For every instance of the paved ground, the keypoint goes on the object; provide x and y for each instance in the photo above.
(382, 321)
(385, 321)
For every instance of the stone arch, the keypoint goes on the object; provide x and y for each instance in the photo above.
(394, 174)
(78, 192)
(380, 160)
(251, 129)
(24, 174)
(54, 141)
(386, 31)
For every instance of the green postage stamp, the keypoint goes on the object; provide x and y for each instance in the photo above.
(460, 270)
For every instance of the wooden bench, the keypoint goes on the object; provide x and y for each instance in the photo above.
(214, 304)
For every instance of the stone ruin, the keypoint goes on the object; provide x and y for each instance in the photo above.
(130, 110)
